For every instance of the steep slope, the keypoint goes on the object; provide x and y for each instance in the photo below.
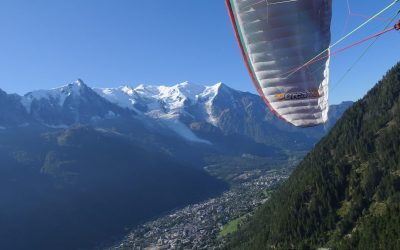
(346, 192)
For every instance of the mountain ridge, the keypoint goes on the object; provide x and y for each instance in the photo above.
(189, 110)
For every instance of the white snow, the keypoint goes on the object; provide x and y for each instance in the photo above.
(183, 131)
(155, 97)
(57, 95)
(209, 94)
(167, 103)
(159, 99)
(121, 96)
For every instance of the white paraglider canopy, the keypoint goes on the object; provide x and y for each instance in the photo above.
(276, 37)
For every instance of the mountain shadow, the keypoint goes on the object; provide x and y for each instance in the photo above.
(74, 188)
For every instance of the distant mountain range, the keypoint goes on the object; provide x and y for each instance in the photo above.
(195, 113)
(79, 164)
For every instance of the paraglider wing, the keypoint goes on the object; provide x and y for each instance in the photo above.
(277, 39)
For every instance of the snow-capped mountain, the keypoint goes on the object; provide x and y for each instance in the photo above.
(216, 114)
(164, 102)
(56, 96)
(172, 106)
(208, 112)
(71, 104)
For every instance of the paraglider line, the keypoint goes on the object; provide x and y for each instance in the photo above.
(351, 13)
(363, 54)
(350, 46)
(366, 16)
(345, 37)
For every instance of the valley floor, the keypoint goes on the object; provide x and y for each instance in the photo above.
(207, 224)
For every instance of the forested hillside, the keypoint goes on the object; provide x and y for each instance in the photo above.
(345, 194)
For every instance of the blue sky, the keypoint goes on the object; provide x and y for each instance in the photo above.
(47, 43)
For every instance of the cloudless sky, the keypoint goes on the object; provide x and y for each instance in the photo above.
(107, 43)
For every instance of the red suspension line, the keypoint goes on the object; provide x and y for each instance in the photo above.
(340, 50)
